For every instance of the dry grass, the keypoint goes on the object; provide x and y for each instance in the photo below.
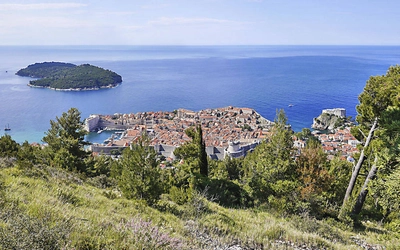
(88, 217)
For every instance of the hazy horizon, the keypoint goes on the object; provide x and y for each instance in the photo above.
(199, 23)
(200, 45)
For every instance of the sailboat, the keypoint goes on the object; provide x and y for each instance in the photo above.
(7, 128)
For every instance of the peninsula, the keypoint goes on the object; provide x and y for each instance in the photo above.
(70, 77)
(227, 132)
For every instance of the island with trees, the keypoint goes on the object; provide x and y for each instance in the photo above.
(68, 76)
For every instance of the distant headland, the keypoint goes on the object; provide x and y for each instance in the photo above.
(331, 119)
(70, 77)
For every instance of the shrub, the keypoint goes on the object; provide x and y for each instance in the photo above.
(65, 195)
(165, 204)
(275, 232)
(178, 195)
(102, 181)
(229, 194)
(142, 234)
(197, 204)
(21, 231)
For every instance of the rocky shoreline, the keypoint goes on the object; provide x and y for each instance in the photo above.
(111, 86)
(330, 119)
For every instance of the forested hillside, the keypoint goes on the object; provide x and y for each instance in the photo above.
(277, 197)
(60, 75)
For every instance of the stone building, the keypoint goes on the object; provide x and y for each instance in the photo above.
(91, 123)
(340, 112)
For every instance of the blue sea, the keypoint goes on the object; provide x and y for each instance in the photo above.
(165, 78)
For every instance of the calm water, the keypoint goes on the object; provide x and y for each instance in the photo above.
(155, 78)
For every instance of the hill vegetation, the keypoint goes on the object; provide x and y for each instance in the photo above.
(277, 197)
(58, 75)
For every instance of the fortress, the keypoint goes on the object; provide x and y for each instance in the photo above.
(92, 122)
(340, 112)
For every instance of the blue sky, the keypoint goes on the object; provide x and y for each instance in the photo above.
(199, 22)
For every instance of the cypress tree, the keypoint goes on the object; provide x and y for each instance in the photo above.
(203, 162)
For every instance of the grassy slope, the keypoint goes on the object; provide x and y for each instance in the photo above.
(91, 217)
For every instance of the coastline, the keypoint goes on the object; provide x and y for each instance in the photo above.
(111, 86)
(250, 82)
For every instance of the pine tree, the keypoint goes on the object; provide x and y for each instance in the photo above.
(270, 171)
(8, 147)
(66, 141)
(138, 172)
(378, 117)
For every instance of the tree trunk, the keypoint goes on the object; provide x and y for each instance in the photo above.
(357, 168)
(364, 190)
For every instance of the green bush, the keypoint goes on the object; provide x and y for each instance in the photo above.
(165, 204)
(178, 195)
(229, 194)
(21, 231)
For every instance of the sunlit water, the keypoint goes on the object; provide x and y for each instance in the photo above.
(265, 78)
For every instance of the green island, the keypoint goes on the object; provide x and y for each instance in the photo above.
(68, 76)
